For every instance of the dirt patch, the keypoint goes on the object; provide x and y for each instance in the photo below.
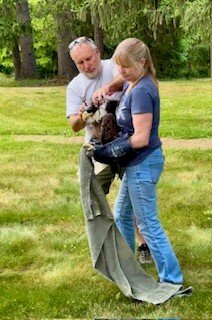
(167, 142)
(53, 139)
(187, 143)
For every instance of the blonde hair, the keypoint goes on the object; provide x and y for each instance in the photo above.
(131, 52)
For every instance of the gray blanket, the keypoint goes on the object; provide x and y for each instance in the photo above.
(111, 256)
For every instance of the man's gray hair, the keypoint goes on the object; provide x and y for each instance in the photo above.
(81, 40)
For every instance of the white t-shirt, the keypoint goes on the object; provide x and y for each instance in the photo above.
(82, 88)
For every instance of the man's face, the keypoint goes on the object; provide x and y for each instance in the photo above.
(87, 60)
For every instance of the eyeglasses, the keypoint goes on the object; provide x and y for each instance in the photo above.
(80, 40)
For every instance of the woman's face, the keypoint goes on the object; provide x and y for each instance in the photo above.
(131, 73)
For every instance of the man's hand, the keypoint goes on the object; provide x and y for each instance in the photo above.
(87, 109)
(76, 120)
(116, 85)
(99, 95)
(89, 149)
(82, 109)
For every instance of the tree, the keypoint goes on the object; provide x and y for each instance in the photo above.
(16, 58)
(16, 37)
(197, 20)
(64, 31)
(66, 67)
(9, 33)
(98, 33)
(89, 12)
(155, 22)
(28, 62)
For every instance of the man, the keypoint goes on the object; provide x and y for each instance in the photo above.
(94, 74)
(96, 79)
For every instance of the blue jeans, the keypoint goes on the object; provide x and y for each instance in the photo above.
(137, 199)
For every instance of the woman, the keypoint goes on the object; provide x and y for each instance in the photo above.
(138, 117)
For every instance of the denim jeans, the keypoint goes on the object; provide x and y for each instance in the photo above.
(137, 199)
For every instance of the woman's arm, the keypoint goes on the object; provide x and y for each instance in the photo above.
(142, 124)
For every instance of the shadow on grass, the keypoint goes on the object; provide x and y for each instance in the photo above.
(9, 81)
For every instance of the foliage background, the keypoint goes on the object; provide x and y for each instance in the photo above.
(45, 267)
(178, 32)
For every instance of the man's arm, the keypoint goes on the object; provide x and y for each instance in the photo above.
(74, 106)
(76, 122)
(115, 85)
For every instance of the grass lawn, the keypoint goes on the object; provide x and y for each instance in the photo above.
(185, 109)
(45, 265)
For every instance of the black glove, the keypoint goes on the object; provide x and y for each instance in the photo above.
(115, 153)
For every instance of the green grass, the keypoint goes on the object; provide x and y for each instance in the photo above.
(37, 111)
(30, 110)
(45, 265)
(186, 108)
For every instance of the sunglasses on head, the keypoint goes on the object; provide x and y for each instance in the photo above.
(79, 40)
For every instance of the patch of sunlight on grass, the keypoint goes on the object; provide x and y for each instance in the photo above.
(186, 194)
(8, 197)
(199, 277)
(58, 274)
(199, 238)
(195, 242)
(30, 104)
(41, 192)
(18, 245)
(12, 235)
(188, 177)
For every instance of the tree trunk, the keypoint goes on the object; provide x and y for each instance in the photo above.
(66, 66)
(28, 63)
(16, 59)
(211, 54)
(98, 33)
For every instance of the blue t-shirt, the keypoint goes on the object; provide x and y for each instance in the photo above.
(143, 98)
